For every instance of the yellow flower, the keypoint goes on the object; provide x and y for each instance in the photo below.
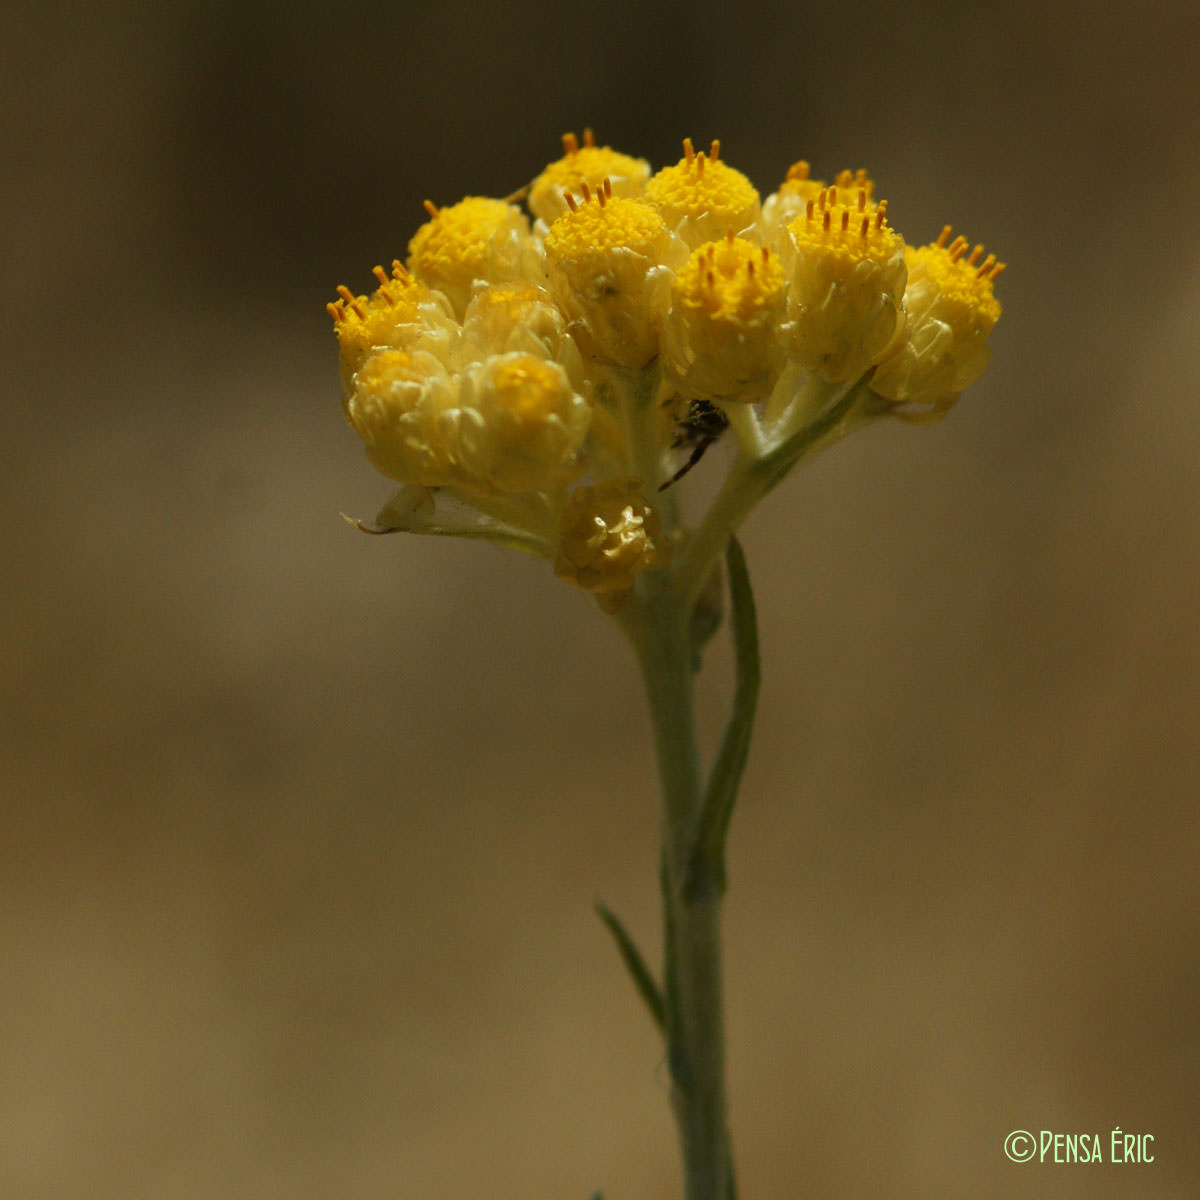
(701, 198)
(396, 405)
(590, 165)
(609, 533)
(723, 335)
(952, 308)
(507, 317)
(401, 313)
(637, 316)
(610, 262)
(518, 426)
(476, 240)
(847, 280)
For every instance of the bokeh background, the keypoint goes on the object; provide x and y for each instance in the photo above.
(301, 830)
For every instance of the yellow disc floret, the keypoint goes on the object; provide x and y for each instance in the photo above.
(952, 308)
(701, 197)
(847, 281)
(731, 280)
(587, 164)
(608, 534)
(477, 239)
(611, 263)
(601, 224)
(722, 339)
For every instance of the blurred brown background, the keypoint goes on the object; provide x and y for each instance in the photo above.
(301, 830)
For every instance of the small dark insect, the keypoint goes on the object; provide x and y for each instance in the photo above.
(699, 427)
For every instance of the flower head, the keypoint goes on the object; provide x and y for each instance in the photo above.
(395, 408)
(609, 534)
(401, 312)
(724, 334)
(609, 261)
(539, 384)
(476, 239)
(586, 166)
(701, 197)
(506, 317)
(952, 308)
(518, 425)
(847, 283)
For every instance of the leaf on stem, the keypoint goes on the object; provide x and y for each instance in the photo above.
(636, 965)
(708, 854)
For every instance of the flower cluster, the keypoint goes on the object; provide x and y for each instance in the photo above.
(541, 378)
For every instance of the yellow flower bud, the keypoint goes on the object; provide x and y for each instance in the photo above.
(847, 280)
(700, 198)
(608, 534)
(723, 336)
(587, 164)
(951, 310)
(507, 317)
(517, 427)
(395, 408)
(611, 263)
(475, 240)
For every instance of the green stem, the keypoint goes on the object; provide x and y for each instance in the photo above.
(658, 626)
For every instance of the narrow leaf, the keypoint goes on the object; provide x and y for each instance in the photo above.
(636, 965)
(708, 855)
